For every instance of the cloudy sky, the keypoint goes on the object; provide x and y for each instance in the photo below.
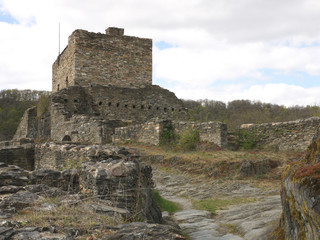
(266, 50)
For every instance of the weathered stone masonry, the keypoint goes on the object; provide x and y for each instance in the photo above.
(90, 114)
(212, 132)
(105, 59)
(292, 135)
(32, 127)
(22, 156)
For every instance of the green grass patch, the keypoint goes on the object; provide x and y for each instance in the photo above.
(214, 204)
(165, 205)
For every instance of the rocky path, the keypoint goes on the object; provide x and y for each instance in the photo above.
(251, 221)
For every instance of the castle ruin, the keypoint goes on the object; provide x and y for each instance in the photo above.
(110, 59)
(102, 92)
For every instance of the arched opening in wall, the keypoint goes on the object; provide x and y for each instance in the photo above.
(165, 109)
(172, 109)
(66, 138)
(142, 107)
(118, 104)
(67, 82)
(75, 100)
(149, 107)
(109, 104)
(133, 106)
(100, 103)
(157, 108)
(126, 105)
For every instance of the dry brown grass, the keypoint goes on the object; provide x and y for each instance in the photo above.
(220, 164)
(75, 216)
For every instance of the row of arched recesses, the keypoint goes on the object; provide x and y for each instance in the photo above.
(133, 106)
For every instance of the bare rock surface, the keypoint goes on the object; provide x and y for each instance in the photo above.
(114, 187)
(250, 221)
(145, 231)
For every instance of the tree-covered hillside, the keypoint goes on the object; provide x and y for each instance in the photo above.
(13, 103)
(238, 112)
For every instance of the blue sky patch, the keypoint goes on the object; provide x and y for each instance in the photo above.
(7, 18)
(164, 82)
(302, 45)
(164, 45)
(298, 78)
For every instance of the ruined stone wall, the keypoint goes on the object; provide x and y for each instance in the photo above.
(91, 114)
(32, 127)
(28, 125)
(22, 156)
(63, 69)
(213, 132)
(145, 133)
(95, 172)
(115, 103)
(79, 128)
(292, 135)
(105, 59)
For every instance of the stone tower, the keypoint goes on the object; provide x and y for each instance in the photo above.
(110, 59)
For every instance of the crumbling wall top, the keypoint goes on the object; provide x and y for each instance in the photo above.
(115, 31)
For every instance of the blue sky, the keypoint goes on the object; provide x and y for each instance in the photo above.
(220, 50)
(7, 18)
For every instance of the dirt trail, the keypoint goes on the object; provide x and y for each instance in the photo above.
(251, 221)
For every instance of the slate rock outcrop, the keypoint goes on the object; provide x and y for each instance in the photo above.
(110, 183)
(300, 194)
(146, 232)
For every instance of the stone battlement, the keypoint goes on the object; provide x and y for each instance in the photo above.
(110, 59)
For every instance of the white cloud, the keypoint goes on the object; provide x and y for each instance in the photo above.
(281, 94)
(222, 45)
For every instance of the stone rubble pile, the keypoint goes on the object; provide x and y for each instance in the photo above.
(116, 183)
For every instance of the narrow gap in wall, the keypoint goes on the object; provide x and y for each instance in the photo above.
(126, 105)
(100, 103)
(149, 107)
(65, 100)
(109, 104)
(76, 100)
(133, 106)
(118, 104)
(165, 109)
(172, 109)
(142, 107)
(157, 108)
